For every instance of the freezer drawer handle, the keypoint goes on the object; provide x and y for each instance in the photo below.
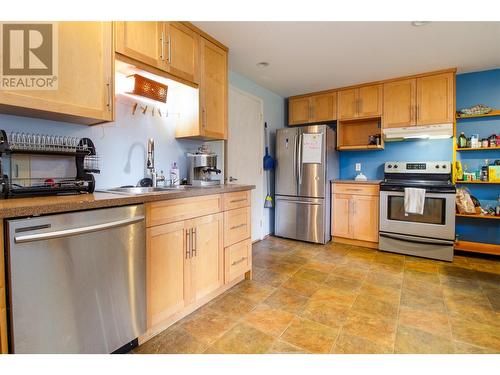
(423, 240)
(300, 202)
(76, 231)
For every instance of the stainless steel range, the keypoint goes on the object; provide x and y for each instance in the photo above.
(430, 234)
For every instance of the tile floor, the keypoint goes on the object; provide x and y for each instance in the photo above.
(307, 298)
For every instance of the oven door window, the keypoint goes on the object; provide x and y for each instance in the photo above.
(434, 211)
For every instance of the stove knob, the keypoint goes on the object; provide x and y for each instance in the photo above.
(395, 166)
(443, 166)
(389, 166)
(437, 166)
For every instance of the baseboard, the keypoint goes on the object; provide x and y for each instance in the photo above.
(350, 241)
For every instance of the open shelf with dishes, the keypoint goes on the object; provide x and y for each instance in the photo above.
(360, 134)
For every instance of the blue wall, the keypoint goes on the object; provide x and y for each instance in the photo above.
(479, 88)
(372, 162)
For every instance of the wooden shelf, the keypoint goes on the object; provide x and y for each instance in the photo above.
(360, 148)
(479, 216)
(477, 149)
(478, 247)
(478, 182)
(495, 112)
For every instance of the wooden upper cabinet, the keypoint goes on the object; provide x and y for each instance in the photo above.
(400, 103)
(347, 104)
(213, 91)
(312, 108)
(364, 101)
(298, 111)
(436, 99)
(169, 46)
(182, 51)
(324, 107)
(85, 79)
(370, 101)
(142, 41)
(165, 253)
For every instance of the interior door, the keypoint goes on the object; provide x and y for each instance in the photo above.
(311, 173)
(166, 246)
(206, 255)
(370, 100)
(435, 99)
(365, 218)
(245, 151)
(399, 103)
(142, 41)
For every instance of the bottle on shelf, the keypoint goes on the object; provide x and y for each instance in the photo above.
(484, 171)
(462, 140)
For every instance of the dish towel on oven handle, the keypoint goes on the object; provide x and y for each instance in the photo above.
(414, 201)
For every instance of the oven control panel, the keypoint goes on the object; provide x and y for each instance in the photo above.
(428, 167)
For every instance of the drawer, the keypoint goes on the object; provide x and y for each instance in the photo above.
(356, 189)
(236, 200)
(170, 211)
(236, 225)
(237, 260)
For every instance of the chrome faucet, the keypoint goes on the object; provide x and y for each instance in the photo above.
(150, 164)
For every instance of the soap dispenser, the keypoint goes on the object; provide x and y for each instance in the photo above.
(174, 175)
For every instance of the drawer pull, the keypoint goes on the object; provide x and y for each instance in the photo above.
(238, 200)
(348, 189)
(238, 226)
(238, 261)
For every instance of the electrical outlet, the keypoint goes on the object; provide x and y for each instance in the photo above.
(358, 167)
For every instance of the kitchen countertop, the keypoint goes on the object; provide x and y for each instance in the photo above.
(369, 182)
(18, 207)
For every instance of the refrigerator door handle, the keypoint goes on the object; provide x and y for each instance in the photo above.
(300, 159)
(295, 159)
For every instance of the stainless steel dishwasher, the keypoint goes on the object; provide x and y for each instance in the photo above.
(77, 281)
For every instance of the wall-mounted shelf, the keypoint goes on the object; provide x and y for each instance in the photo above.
(495, 112)
(478, 247)
(478, 182)
(354, 134)
(477, 148)
(479, 216)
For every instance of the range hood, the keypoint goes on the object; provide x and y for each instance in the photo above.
(419, 132)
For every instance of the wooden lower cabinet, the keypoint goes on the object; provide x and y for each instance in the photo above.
(355, 215)
(187, 263)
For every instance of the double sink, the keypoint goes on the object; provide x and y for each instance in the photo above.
(145, 190)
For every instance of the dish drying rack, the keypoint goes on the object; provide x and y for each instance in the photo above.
(83, 150)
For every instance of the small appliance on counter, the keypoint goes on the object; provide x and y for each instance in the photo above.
(429, 233)
(202, 164)
(35, 165)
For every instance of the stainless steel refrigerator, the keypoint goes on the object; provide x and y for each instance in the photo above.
(306, 161)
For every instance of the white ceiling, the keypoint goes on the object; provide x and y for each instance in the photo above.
(313, 56)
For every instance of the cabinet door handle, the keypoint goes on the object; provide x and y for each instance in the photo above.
(193, 242)
(188, 243)
(162, 50)
(352, 189)
(109, 87)
(418, 112)
(238, 261)
(169, 59)
(238, 226)
(204, 118)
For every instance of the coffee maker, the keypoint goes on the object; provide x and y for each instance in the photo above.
(202, 165)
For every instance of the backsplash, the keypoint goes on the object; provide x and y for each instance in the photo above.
(121, 144)
(372, 162)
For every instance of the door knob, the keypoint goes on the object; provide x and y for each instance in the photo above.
(231, 179)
